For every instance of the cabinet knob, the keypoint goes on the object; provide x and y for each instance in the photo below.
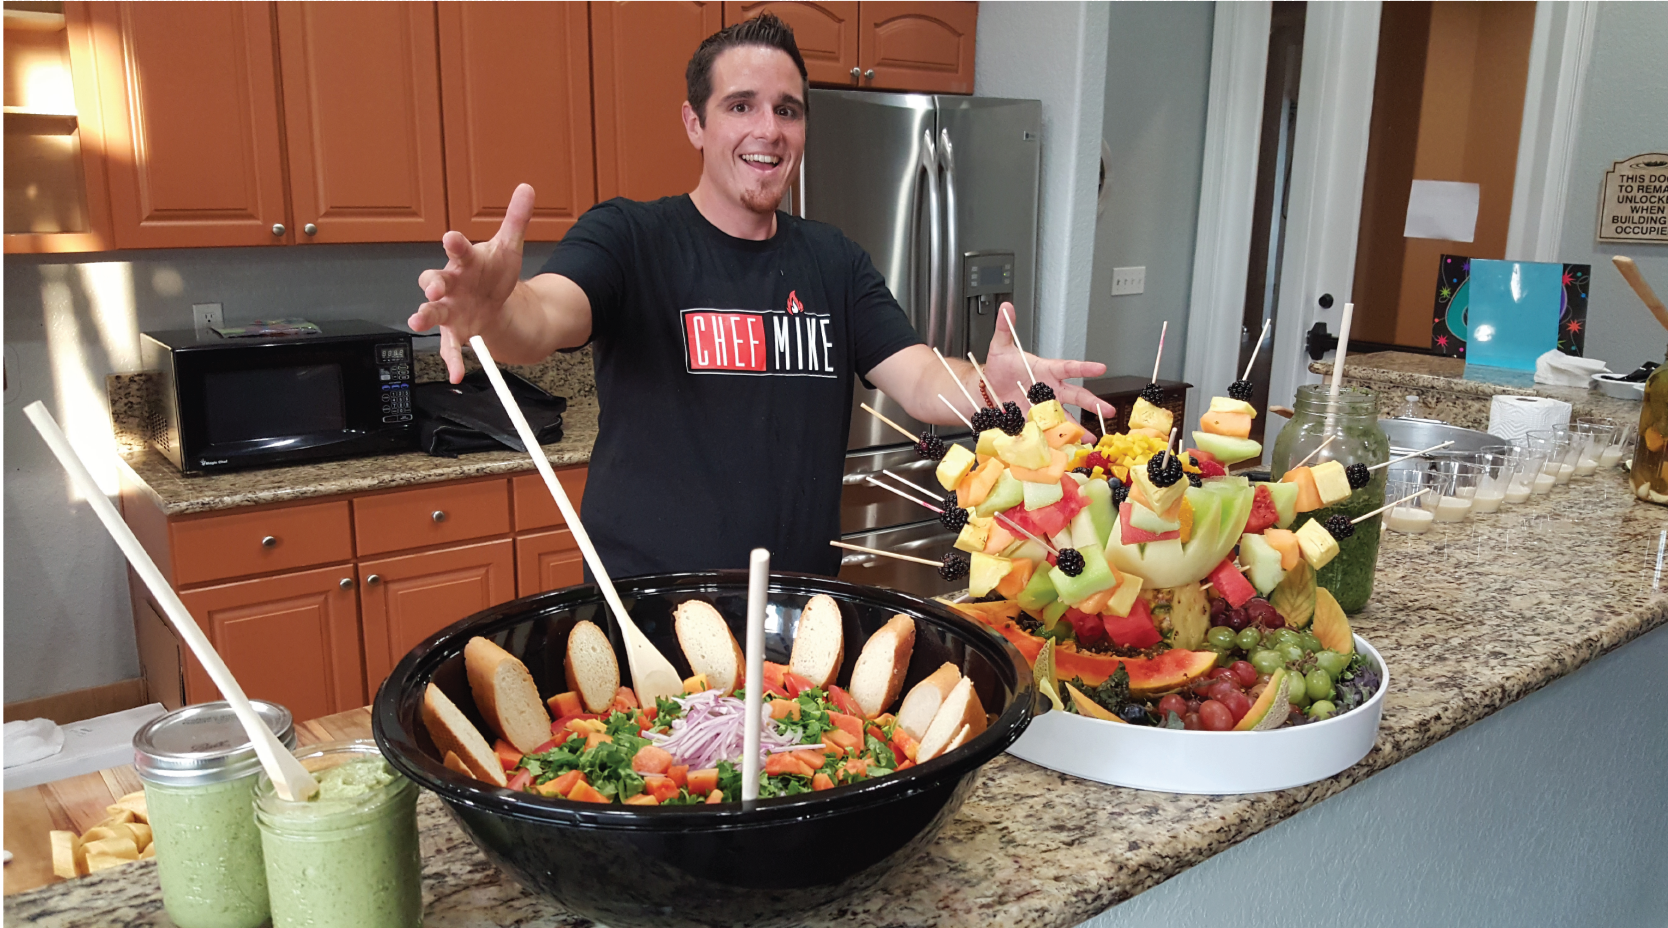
(869, 74)
(269, 542)
(346, 584)
(373, 580)
(856, 73)
(277, 228)
(439, 515)
(310, 229)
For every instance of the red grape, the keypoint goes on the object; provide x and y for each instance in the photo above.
(1220, 689)
(1193, 705)
(1191, 722)
(1238, 704)
(1221, 673)
(1244, 673)
(1214, 716)
(1172, 703)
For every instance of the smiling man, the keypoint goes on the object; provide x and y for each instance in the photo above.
(726, 333)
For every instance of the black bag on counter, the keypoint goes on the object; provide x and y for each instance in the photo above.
(454, 419)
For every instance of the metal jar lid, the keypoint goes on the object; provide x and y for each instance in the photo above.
(204, 744)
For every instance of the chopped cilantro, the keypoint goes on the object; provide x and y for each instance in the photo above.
(666, 709)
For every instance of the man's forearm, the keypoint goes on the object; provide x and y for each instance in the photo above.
(914, 378)
(542, 315)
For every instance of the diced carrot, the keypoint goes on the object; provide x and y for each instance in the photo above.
(650, 759)
(566, 782)
(696, 684)
(811, 759)
(625, 700)
(715, 797)
(679, 774)
(565, 704)
(821, 782)
(595, 738)
(661, 788)
(585, 792)
(507, 754)
(521, 780)
(702, 782)
(843, 700)
(642, 799)
(850, 724)
(794, 683)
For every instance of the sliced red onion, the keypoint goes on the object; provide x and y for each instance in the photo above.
(713, 727)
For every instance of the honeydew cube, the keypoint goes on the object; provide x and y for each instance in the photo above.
(1007, 494)
(987, 442)
(1100, 509)
(1148, 521)
(974, 535)
(1038, 495)
(1129, 587)
(1052, 612)
(1048, 415)
(1317, 544)
(1097, 575)
(1227, 451)
(1160, 499)
(1028, 449)
(1144, 415)
(1265, 572)
(1224, 404)
(1029, 549)
(1285, 502)
(1083, 530)
(986, 572)
(1039, 592)
(957, 462)
(1331, 482)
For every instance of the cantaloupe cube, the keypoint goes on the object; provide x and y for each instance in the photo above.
(1308, 497)
(1057, 460)
(1018, 576)
(1331, 482)
(1229, 424)
(999, 538)
(1284, 541)
(974, 487)
(1066, 433)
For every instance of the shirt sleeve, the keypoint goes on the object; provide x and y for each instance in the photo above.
(879, 327)
(593, 255)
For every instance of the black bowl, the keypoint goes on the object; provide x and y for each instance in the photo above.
(674, 866)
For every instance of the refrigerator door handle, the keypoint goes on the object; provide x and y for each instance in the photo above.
(946, 157)
(935, 237)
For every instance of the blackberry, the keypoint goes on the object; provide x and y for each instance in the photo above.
(1013, 420)
(1194, 480)
(1339, 526)
(1070, 561)
(986, 418)
(954, 568)
(931, 447)
(951, 501)
(1240, 390)
(1119, 492)
(953, 518)
(1153, 393)
(1358, 476)
(1085, 471)
(1040, 392)
(1162, 475)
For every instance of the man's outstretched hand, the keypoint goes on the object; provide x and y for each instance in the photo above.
(1005, 368)
(466, 297)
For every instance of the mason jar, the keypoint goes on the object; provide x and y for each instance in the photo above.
(1351, 420)
(347, 857)
(199, 770)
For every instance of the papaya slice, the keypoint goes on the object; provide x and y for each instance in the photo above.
(1168, 671)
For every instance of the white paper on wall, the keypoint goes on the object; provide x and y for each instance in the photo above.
(1442, 209)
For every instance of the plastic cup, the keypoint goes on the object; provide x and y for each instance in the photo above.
(1603, 442)
(1555, 446)
(1455, 490)
(1497, 470)
(1413, 517)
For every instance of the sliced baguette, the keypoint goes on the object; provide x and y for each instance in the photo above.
(819, 644)
(593, 671)
(456, 764)
(960, 739)
(961, 708)
(506, 695)
(879, 673)
(924, 698)
(453, 732)
(709, 645)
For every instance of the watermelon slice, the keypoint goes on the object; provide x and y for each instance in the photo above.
(1087, 628)
(1232, 584)
(1263, 512)
(1135, 630)
(1130, 535)
(1208, 466)
(1050, 520)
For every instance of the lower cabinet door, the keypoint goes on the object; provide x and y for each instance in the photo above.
(407, 598)
(547, 561)
(292, 639)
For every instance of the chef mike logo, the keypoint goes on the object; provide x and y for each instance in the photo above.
(790, 343)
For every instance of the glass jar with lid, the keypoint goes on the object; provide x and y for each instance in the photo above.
(199, 770)
(1350, 419)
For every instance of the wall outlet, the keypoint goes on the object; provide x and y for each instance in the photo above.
(1128, 280)
(205, 316)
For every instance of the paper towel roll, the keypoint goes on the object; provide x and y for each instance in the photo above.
(1511, 416)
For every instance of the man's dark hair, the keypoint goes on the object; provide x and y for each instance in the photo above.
(766, 30)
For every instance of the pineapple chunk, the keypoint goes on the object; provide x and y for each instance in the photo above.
(1160, 499)
(1224, 404)
(1317, 544)
(1029, 449)
(975, 535)
(1331, 482)
(68, 859)
(1129, 587)
(1144, 415)
(1048, 415)
(986, 572)
(957, 462)
(986, 448)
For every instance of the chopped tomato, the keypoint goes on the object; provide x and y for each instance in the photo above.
(595, 738)
(786, 762)
(565, 783)
(625, 700)
(773, 679)
(702, 782)
(850, 724)
(521, 780)
(715, 797)
(660, 788)
(795, 684)
(565, 704)
(584, 792)
(878, 732)
(553, 743)
(821, 782)
(812, 759)
(650, 759)
(507, 754)
(679, 774)
(784, 708)
(858, 766)
(642, 799)
(906, 765)
(843, 701)
(899, 755)
(651, 713)
(903, 740)
(842, 740)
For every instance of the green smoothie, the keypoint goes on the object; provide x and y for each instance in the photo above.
(346, 858)
(208, 853)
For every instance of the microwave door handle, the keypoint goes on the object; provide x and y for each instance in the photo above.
(947, 162)
(935, 238)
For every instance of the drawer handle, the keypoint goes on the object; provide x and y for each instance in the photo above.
(269, 542)
(346, 584)
(439, 515)
(373, 580)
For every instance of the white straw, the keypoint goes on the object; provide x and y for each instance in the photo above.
(994, 397)
(1254, 349)
(758, 591)
(953, 409)
(1310, 456)
(959, 385)
(290, 780)
(1343, 347)
(1101, 418)
(1161, 333)
(1388, 506)
(1009, 318)
(1168, 442)
(1413, 455)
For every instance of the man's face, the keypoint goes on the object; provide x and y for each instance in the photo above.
(754, 135)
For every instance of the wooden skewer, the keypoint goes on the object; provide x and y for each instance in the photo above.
(1005, 520)
(1168, 442)
(1311, 455)
(901, 557)
(964, 419)
(901, 429)
(994, 398)
(959, 385)
(1161, 333)
(1023, 395)
(1388, 506)
(898, 492)
(1009, 318)
(1101, 418)
(1254, 349)
(1630, 271)
(1406, 456)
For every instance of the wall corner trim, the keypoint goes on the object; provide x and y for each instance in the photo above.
(1559, 54)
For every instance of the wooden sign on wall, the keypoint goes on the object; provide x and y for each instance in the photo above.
(1635, 203)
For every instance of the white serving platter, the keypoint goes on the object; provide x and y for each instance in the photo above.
(1205, 762)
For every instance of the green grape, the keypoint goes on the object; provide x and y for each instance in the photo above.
(1224, 658)
(1283, 637)
(1221, 638)
(1267, 661)
(1308, 642)
(1332, 662)
(1248, 639)
(1322, 709)
(1297, 690)
(1291, 652)
(1318, 684)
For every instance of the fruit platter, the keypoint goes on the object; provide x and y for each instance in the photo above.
(1170, 609)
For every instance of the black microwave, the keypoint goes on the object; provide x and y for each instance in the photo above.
(229, 403)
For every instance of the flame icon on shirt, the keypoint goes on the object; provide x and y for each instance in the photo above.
(794, 306)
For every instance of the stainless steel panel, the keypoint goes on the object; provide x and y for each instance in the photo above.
(865, 507)
(928, 540)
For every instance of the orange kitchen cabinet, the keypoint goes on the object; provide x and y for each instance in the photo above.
(922, 47)
(224, 545)
(826, 34)
(189, 101)
(406, 598)
(534, 507)
(515, 79)
(292, 639)
(638, 55)
(362, 121)
(439, 514)
(547, 561)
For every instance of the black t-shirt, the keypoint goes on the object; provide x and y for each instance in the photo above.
(724, 372)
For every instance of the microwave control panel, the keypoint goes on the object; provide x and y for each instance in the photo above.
(393, 364)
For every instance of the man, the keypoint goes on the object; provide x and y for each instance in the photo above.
(725, 334)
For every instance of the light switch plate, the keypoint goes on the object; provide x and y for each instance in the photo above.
(1128, 280)
(205, 316)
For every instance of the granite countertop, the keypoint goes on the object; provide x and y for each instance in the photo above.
(1469, 618)
(1441, 385)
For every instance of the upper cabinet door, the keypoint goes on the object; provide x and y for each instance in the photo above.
(362, 115)
(190, 118)
(516, 82)
(639, 52)
(925, 47)
(826, 34)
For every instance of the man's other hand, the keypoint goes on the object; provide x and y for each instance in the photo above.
(466, 297)
(1005, 368)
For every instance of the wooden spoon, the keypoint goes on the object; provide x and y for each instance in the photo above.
(1630, 271)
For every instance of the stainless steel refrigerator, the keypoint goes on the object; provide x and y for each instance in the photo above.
(941, 191)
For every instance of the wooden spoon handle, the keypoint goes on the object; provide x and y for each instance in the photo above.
(1630, 271)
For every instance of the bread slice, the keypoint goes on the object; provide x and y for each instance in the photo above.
(453, 732)
(924, 698)
(961, 708)
(879, 673)
(709, 645)
(505, 693)
(593, 670)
(456, 764)
(819, 644)
(961, 738)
